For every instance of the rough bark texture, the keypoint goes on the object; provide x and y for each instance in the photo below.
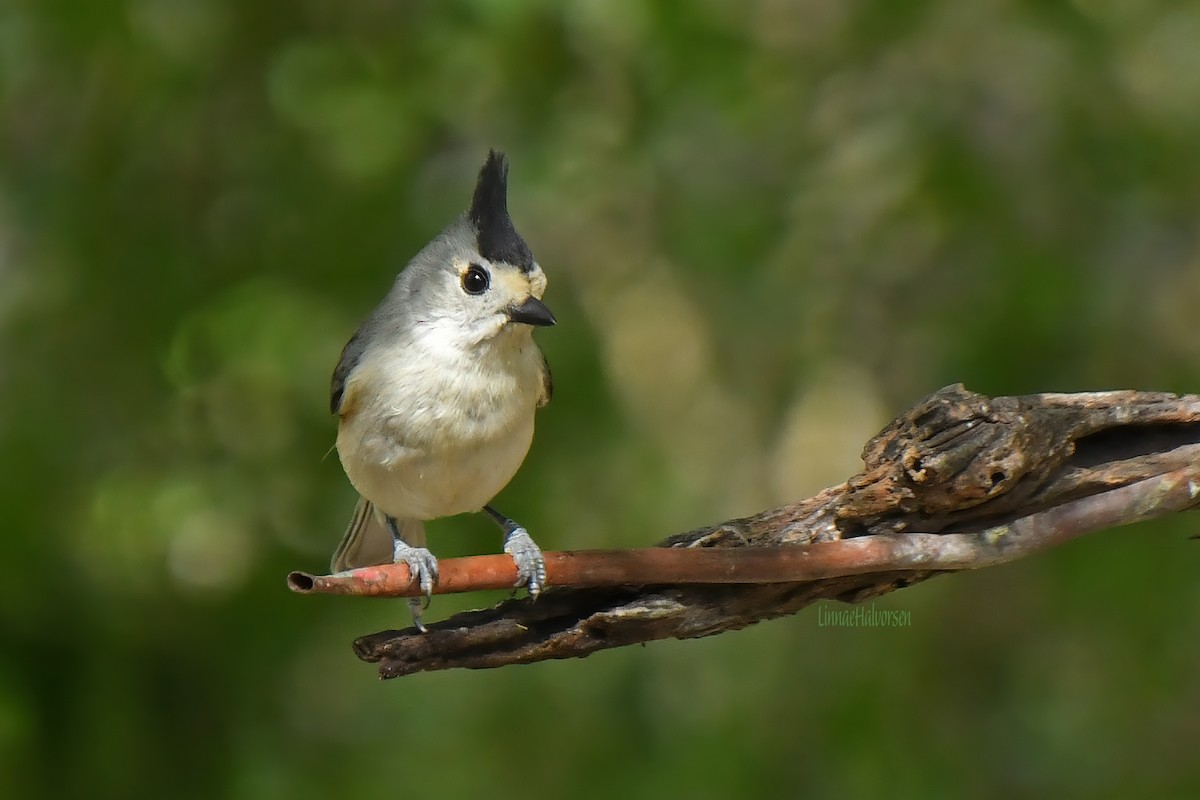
(1016, 472)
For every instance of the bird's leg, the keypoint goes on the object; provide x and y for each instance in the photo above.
(531, 567)
(422, 565)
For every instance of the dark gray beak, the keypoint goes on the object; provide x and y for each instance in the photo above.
(531, 312)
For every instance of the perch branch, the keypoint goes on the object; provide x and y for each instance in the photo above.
(960, 481)
(656, 566)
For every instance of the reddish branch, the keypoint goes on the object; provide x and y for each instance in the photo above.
(960, 481)
(656, 566)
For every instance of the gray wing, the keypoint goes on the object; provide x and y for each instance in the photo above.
(351, 355)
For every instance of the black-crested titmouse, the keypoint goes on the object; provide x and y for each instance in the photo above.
(436, 391)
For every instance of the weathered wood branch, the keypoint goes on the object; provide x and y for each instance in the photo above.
(960, 481)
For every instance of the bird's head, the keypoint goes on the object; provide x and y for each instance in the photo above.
(478, 278)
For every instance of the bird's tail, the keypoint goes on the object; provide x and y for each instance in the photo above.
(368, 541)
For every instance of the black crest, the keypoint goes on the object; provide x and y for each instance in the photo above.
(498, 239)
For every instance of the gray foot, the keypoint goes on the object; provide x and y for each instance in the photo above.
(422, 564)
(531, 567)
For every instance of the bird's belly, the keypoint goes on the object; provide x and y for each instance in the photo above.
(427, 480)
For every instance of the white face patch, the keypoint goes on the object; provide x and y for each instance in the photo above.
(475, 315)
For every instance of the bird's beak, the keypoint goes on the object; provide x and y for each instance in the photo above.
(531, 312)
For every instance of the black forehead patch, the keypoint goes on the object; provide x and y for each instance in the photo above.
(497, 239)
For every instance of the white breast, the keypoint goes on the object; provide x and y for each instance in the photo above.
(436, 431)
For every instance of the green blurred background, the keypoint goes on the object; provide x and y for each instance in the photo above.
(768, 226)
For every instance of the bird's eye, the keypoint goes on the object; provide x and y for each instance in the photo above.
(476, 280)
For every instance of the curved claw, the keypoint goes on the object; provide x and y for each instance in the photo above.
(531, 567)
(422, 565)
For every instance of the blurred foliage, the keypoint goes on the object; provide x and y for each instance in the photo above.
(768, 226)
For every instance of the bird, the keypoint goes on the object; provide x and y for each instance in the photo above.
(436, 392)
